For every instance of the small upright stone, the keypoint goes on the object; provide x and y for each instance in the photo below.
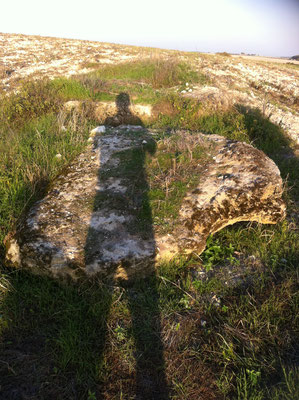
(98, 129)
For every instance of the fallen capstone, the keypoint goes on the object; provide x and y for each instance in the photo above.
(242, 184)
(87, 224)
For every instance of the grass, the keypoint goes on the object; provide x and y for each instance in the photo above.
(32, 100)
(249, 339)
(145, 81)
(28, 159)
(171, 172)
(222, 326)
(158, 73)
(292, 65)
(181, 113)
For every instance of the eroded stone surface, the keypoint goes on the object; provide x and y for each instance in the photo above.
(242, 184)
(68, 233)
(88, 224)
(109, 113)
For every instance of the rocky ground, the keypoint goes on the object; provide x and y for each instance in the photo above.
(268, 84)
(23, 56)
(263, 83)
(220, 324)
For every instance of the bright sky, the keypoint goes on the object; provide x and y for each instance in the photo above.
(265, 27)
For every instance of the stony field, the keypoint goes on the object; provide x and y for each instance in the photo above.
(268, 84)
(111, 158)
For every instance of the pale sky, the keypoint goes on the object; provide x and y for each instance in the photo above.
(265, 27)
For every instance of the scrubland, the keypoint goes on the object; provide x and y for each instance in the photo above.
(227, 320)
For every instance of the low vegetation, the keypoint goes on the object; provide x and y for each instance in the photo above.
(171, 172)
(224, 53)
(193, 330)
(145, 82)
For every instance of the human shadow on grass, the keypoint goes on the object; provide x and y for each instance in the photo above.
(70, 357)
(130, 245)
(53, 347)
(123, 113)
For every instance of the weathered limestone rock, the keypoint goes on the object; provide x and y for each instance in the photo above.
(242, 184)
(88, 224)
(108, 112)
(83, 226)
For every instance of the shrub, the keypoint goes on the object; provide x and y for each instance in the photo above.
(224, 53)
(34, 98)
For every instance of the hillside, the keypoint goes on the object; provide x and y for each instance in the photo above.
(109, 149)
(258, 82)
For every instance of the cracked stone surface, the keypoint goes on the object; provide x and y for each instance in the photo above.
(88, 223)
(242, 184)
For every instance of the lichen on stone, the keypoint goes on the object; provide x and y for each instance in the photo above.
(90, 222)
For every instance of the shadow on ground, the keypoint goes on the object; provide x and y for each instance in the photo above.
(74, 342)
(62, 343)
(102, 340)
(143, 307)
(123, 113)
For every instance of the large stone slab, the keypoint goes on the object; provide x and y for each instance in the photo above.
(242, 184)
(88, 223)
